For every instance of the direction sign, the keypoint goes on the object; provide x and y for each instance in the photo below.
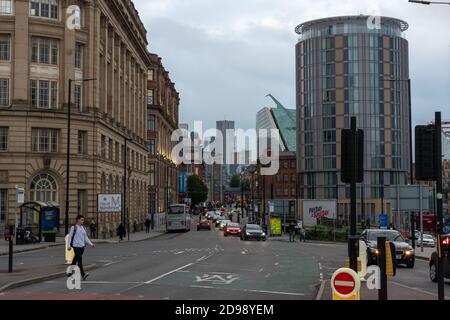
(346, 284)
(384, 221)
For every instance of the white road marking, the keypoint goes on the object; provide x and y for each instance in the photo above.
(110, 263)
(202, 287)
(268, 275)
(320, 266)
(261, 270)
(255, 291)
(180, 252)
(169, 273)
(416, 289)
(277, 263)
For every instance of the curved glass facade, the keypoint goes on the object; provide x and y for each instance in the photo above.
(345, 69)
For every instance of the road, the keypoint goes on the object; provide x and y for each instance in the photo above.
(203, 265)
(195, 265)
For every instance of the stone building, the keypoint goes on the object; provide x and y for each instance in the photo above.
(162, 106)
(40, 51)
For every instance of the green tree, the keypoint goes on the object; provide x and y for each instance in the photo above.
(197, 190)
(235, 181)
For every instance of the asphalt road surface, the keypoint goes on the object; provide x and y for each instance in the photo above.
(199, 265)
(203, 265)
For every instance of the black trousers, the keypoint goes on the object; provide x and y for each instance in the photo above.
(78, 259)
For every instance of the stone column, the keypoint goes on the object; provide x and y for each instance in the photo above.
(20, 60)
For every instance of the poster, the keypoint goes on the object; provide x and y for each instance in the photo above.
(315, 209)
(275, 226)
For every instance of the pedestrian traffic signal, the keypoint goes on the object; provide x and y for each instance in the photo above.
(426, 153)
(352, 156)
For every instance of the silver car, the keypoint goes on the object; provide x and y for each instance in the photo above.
(428, 241)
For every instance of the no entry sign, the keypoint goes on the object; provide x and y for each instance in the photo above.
(346, 284)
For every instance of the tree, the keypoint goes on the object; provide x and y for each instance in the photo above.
(245, 183)
(197, 190)
(235, 181)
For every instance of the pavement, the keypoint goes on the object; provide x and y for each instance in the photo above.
(26, 273)
(137, 236)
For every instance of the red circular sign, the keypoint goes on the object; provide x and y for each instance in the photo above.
(344, 283)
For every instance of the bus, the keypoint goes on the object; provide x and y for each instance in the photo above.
(178, 218)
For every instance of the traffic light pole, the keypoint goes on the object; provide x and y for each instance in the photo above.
(381, 245)
(440, 218)
(353, 254)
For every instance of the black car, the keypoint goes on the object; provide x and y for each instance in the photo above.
(253, 232)
(404, 253)
(433, 265)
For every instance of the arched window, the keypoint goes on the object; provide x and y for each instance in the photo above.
(44, 188)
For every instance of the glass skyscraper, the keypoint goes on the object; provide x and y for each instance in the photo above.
(346, 67)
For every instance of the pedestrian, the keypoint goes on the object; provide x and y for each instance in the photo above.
(78, 239)
(135, 226)
(147, 225)
(302, 235)
(93, 228)
(121, 232)
(292, 232)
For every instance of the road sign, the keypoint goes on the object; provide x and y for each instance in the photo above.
(384, 221)
(20, 195)
(346, 285)
(109, 203)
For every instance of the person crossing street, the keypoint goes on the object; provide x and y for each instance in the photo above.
(78, 239)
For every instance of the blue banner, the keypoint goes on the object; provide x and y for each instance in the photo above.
(182, 182)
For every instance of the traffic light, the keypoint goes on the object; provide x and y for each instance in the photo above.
(426, 153)
(444, 245)
(352, 156)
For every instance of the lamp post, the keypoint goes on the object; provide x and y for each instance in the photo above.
(408, 81)
(429, 2)
(69, 104)
(126, 170)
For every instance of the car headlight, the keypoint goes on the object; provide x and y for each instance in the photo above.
(247, 233)
(409, 252)
(374, 251)
(263, 234)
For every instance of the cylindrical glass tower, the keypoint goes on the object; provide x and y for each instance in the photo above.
(347, 66)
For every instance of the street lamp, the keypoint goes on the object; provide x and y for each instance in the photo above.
(429, 2)
(126, 173)
(410, 124)
(69, 104)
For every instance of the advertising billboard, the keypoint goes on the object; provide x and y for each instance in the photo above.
(109, 203)
(275, 226)
(315, 209)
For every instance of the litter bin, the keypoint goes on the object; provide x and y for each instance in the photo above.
(20, 236)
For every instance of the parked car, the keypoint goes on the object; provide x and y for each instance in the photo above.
(253, 232)
(232, 229)
(204, 224)
(428, 241)
(434, 260)
(404, 253)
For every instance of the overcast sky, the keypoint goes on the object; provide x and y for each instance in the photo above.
(225, 56)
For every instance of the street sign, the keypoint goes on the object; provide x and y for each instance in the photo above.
(20, 195)
(346, 285)
(109, 203)
(384, 221)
